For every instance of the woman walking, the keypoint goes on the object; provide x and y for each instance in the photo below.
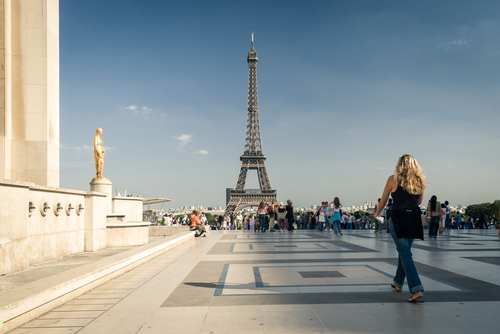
(434, 214)
(407, 187)
(335, 216)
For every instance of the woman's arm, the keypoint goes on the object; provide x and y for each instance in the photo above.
(389, 187)
(421, 199)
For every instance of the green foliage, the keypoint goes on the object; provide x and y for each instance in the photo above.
(163, 221)
(210, 218)
(491, 209)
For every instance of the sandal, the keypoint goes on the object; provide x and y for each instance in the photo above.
(396, 288)
(415, 300)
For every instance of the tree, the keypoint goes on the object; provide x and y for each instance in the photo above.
(491, 209)
(210, 218)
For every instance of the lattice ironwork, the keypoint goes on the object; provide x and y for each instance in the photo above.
(252, 158)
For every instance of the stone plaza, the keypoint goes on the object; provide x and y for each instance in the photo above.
(298, 282)
(78, 261)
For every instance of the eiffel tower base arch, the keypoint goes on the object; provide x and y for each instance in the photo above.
(242, 198)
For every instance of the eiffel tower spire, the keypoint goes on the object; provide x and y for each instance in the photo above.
(252, 158)
(253, 144)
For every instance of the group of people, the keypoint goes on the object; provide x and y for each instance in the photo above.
(269, 218)
(171, 220)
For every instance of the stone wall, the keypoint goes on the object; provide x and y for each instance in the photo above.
(131, 207)
(40, 223)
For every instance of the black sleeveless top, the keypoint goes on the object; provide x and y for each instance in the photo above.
(403, 199)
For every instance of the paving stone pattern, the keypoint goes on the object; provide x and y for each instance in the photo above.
(294, 282)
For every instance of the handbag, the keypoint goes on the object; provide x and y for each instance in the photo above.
(441, 230)
(407, 223)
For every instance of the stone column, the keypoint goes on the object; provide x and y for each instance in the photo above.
(29, 91)
(103, 185)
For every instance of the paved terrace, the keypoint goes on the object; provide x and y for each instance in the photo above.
(299, 282)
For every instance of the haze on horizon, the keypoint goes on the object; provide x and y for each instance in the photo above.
(345, 88)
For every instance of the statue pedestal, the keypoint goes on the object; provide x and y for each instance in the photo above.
(103, 185)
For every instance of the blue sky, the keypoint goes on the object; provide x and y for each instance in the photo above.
(345, 88)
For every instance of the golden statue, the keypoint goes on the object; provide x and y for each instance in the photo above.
(99, 153)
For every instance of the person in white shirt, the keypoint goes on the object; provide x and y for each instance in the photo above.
(239, 221)
(203, 219)
(251, 222)
(168, 221)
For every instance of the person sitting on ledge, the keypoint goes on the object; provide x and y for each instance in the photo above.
(196, 224)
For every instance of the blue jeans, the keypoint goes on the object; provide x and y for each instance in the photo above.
(434, 226)
(336, 226)
(349, 226)
(321, 226)
(262, 222)
(406, 267)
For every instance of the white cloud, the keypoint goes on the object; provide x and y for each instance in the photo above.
(132, 107)
(184, 139)
(454, 45)
(145, 110)
(78, 148)
(202, 152)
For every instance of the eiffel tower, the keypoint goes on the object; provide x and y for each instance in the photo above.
(252, 158)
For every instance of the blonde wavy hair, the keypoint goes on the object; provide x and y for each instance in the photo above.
(408, 175)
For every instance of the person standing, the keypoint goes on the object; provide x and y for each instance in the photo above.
(336, 217)
(328, 209)
(239, 221)
(470, 223)
(458, 221)
(168, 221)
(448, 215)
(442, 222)
(350, 219)
(378, 228)
(289, 215)
(312, 221)
(357, 219)
(388, 213)
(345, 218)
(203, 219)
(305, 221)
(251, 223)
(281, 217)
(434, 214)
(407, 187)
(497, 221)
(320, 213)
(261, 212)
(272, 217)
